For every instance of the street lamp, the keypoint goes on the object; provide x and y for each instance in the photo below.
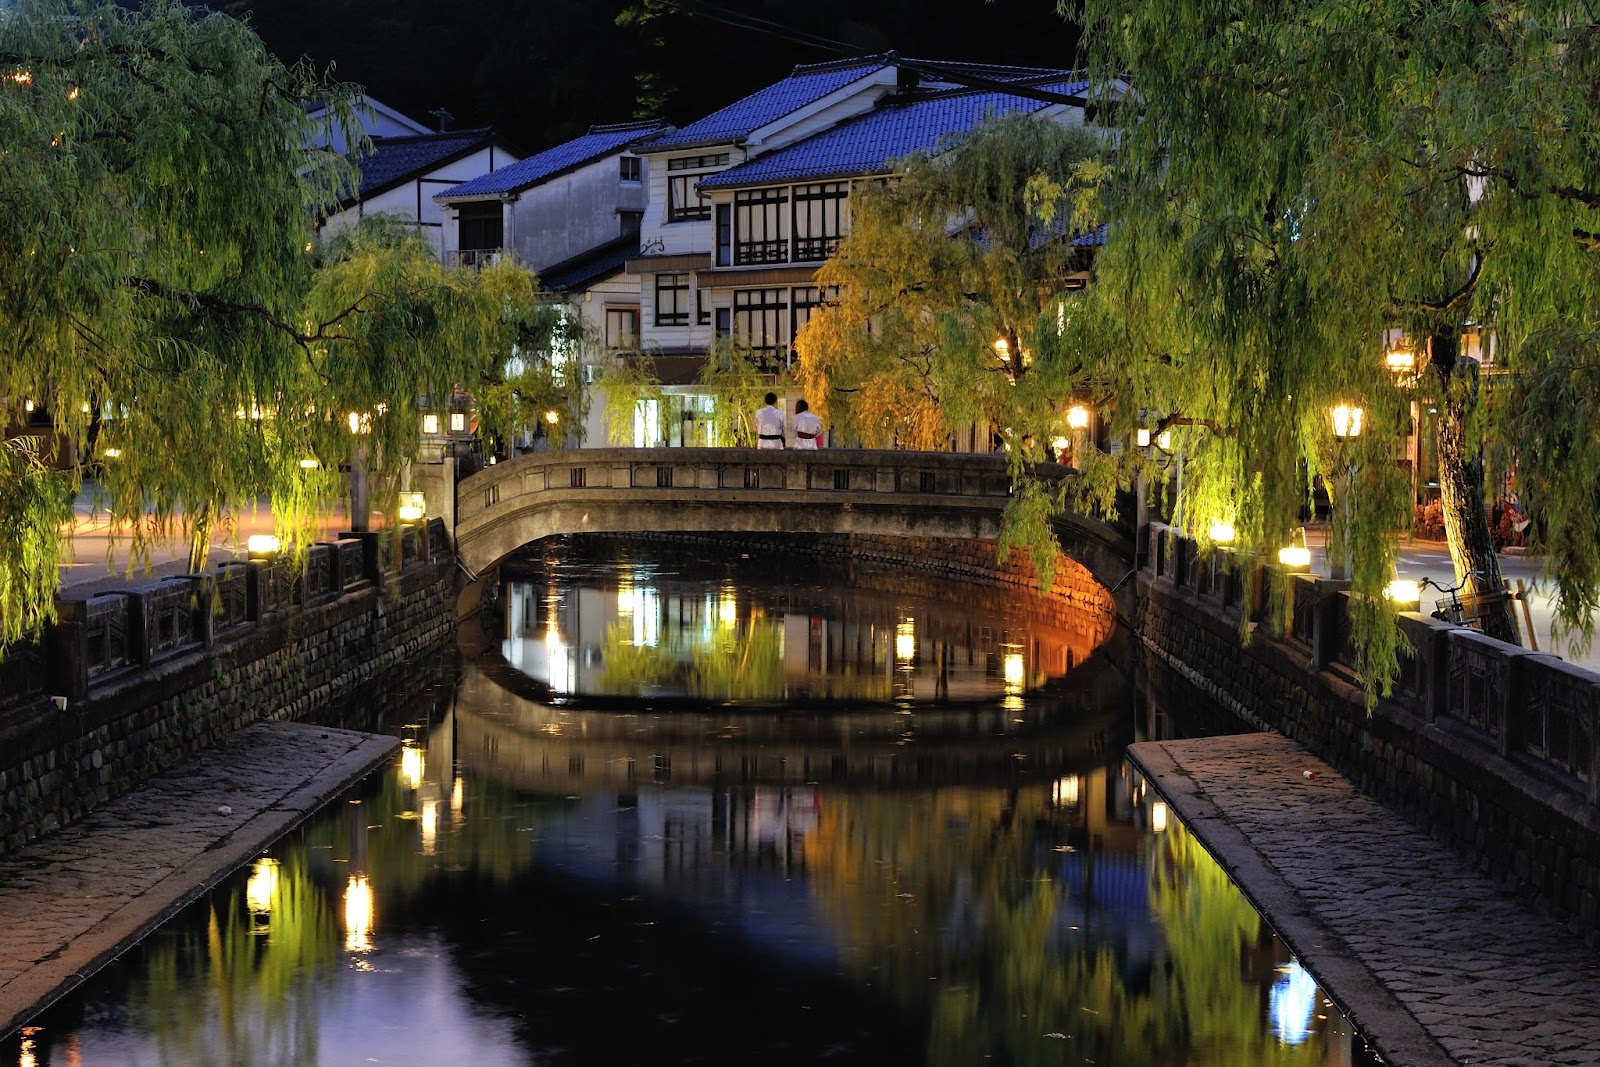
(263, 546)
(1347, 419)
(1404, 593)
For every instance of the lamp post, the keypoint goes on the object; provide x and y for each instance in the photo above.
(1347, 420)
(360, 491)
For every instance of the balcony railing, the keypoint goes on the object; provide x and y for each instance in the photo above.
(478, 258)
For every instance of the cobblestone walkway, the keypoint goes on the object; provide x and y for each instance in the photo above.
(1431, 960)
(72, 902)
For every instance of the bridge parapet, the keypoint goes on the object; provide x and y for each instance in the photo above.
(733, 489)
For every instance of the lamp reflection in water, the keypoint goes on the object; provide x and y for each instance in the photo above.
(727, 609)
(28, 1059)
(262, 887)
(1066, 791)
(1292, 1003)
(1158, 817)
(430, 827)
(1014, 672)
(556, 650)
(358, 915)
(413, 765)
(905, 641)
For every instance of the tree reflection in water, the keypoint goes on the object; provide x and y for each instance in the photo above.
(1027, 951)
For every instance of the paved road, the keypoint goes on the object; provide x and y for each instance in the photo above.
(1430, 559)
(1433, 962)
(98, 557)
(72, 902)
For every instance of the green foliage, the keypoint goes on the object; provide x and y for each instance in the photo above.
(1293, 182)
(965, 250)
(163, 297)
(36, 502)
(625, 382)
(736, 386)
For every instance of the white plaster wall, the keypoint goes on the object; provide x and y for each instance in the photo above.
(413, 201)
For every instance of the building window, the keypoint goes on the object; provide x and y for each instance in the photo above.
(672, 300)
(758, 322)
(724, 327)
(758, 227)
(818, 220)
(806, 300)
(622, 329)
(724, 235)
(631, 221)
(684, 202)
(702, 307)
(630, 170)
(481, 225)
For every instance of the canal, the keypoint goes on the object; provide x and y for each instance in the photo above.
(682, 805)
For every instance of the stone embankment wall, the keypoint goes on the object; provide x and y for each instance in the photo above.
(1488, 747)
(1075, 601)
(152, 675)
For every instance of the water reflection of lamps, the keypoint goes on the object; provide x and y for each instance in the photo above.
(1065, 793)
(430, 826)
(1013, 671)
(262, 886)
(412, 765)
(905, 641)
(556, 652)
(1292, 1003)
(458, 796)
(358, 914)
(727, 609)
(1158, 817)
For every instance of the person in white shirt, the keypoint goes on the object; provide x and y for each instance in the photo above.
(807, 427)
(769, 424)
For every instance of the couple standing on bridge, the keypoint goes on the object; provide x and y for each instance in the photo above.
(769, 425)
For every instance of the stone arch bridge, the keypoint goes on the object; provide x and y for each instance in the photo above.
(742, 490)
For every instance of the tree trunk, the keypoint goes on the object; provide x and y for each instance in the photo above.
(200, 541)
(1466, 525)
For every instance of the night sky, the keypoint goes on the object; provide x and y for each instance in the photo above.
(541, 71)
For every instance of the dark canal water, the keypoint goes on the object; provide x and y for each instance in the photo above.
(688, 808)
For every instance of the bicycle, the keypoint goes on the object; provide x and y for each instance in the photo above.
(1451, 609)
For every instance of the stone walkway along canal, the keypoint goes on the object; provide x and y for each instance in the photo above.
(74, 901)
(1430, 959)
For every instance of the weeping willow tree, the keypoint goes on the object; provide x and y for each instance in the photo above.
(1296, 181)
(732, 377)
(153, 256)
(162, 297)
(943, 283)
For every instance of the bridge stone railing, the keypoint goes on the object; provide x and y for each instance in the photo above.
(1533, 708)
(104, 638)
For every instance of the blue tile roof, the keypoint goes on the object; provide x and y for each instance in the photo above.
(804, 85)
(599, 142)
(397, 159)
(873, 142)
(581, 271)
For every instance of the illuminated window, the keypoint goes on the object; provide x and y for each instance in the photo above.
(818, 220)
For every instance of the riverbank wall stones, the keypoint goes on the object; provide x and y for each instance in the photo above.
(1530, 829)
(56, 764)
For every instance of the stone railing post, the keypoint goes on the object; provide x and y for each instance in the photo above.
(68, 650)
(1325, 627)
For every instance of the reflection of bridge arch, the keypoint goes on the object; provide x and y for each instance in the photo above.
(553, 749)
(731, 490)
